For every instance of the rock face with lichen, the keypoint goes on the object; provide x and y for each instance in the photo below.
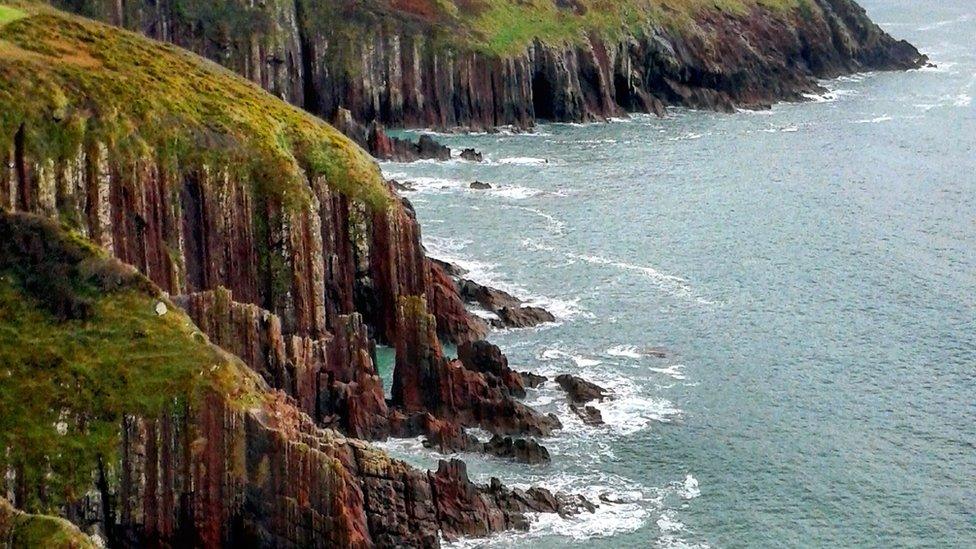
(210, 313)
(216, 457)
(446, 64)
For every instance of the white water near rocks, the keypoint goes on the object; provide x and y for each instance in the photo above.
(782, 302)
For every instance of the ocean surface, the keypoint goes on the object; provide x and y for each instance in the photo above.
(809, 273)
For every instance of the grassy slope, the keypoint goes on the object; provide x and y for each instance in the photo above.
(506, 26)
(69, 79)
(72, 372)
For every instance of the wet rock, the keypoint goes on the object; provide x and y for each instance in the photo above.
(509, 309)
(478, 185)
(579, 390)
(471, 155)
(589, 414)
(533, 380)
(573, 504)
(522, 450)
(484, 357)
(524, 317)
(405, 186)
(487, 297)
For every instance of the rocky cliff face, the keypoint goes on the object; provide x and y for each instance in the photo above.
(406, 66)
(285, 248)
(177, 443)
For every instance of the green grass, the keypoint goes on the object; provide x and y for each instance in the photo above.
(72, 82)
(67, 381)
(509, 26)
(8, 14)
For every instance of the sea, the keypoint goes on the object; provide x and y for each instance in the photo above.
(782, 302)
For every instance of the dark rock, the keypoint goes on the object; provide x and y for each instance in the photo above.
(478, 185)
(533, 380)
(524, 317)
(406, 186)
(574, 504)
(484, 357)
(579, 390)
(521, 450)
(589, 414)
(451, 269)
(489, 298)
(471, 155)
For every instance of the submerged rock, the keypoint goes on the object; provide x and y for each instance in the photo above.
(478, 185)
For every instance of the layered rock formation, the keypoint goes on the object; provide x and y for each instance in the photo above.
(190, 447)
(446, 65)
(285, 246)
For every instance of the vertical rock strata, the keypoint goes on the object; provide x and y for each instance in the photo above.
(417, 69)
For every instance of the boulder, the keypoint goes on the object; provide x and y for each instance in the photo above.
(589, 414)
(579, 390)
(471, 155)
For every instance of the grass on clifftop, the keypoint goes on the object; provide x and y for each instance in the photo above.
(71, 81)
(508, 26)
(69, 374)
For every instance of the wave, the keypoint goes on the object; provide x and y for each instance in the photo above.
(523, 161)
(877, 120)
(947, 22)
(449, 249)
(687, 137)
(625, 351)
(443, 185)
(673, 371)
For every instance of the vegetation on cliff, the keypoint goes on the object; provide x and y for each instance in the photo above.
(67, 82)
(19, 529)
(86, 341)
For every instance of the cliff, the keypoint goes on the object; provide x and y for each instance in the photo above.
(478, 64)
(154, 173)
(122, 416)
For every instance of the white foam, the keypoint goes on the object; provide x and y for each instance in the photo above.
(782, 129)
(554, 225)
(514, 192)
(449, 250)
(624, 351)
(687, 137)
(669, 524)
(877, 120)
(584, 362)
(523, 161)
(673, 371)
(689, 488)
(962, 100)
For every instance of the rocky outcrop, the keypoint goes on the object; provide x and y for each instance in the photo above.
(384, 62)
(589, 414)
(331, 378)
(375, 139)
(286, 248)
(510, 311)
(199, 451)
(579, 390)
(424, 380)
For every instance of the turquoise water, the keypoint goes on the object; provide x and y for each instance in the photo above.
(811, 273)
